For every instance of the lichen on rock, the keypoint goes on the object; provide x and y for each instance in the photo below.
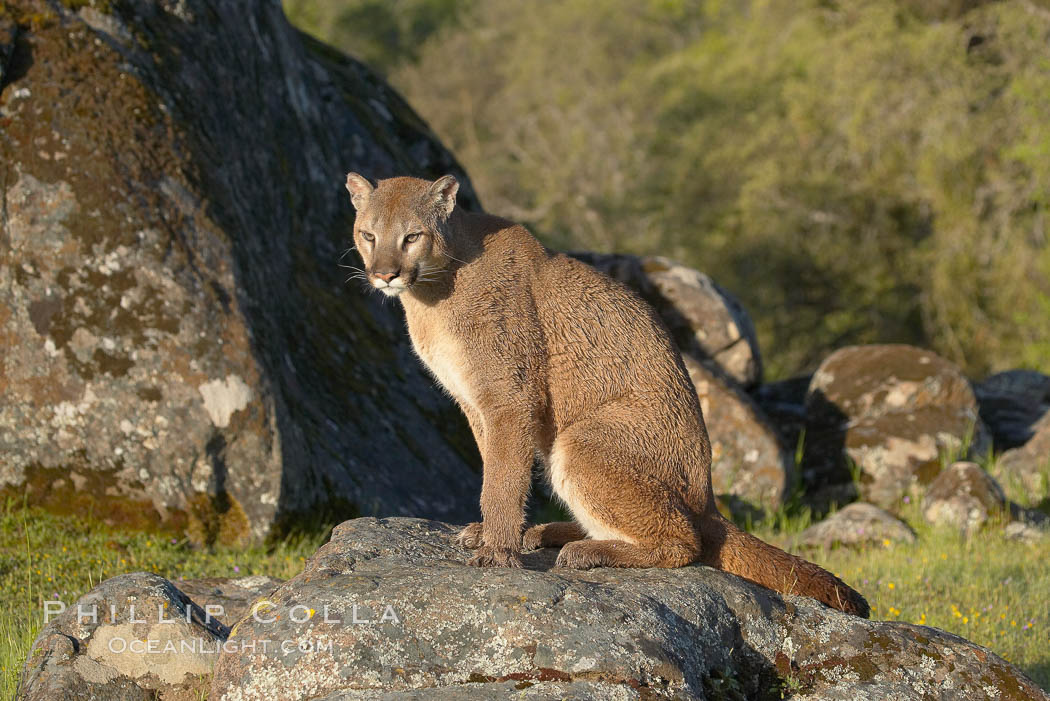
(892, 411)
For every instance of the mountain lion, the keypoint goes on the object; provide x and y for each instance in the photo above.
(546, 356)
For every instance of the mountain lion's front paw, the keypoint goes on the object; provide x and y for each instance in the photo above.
(470, 536)
(489, 556)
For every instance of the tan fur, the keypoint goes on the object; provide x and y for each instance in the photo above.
(546, 356)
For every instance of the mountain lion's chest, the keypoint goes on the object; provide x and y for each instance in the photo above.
(443, 354)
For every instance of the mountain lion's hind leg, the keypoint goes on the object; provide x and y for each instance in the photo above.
(585, 554)
(633, 518)
(552, 535)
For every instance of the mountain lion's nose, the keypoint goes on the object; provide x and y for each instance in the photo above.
(387, 277)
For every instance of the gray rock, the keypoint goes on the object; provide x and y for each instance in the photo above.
(856, 524)
(1012, 403)
(892, 411)
(228, 600)
(498, 691)
(860, 691)
(180, 349)
(704, 319)
(750, 467)
(964, 496)
(1025, 532)
(1027, 469)
(89, 650)
(428, 626)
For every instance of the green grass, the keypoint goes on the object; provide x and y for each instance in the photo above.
(43, 556)
(987, 589)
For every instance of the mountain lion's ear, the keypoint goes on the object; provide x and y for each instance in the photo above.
(359, 189)
(443, 191)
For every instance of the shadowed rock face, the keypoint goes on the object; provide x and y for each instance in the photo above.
(389, 609)
(784, 402)
(8, 34)
(179, 344)
(1012, 404)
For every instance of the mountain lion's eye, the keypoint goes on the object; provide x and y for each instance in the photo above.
(367, 236)
(412, 238)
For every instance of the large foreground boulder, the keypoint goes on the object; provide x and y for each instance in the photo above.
(388, 609)
(389, 605)
(891, 411)
(179, 344)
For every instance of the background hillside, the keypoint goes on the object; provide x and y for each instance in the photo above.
(854, 171)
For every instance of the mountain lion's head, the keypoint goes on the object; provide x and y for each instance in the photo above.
(398, 230)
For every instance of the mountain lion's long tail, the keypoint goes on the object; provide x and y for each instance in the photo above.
(728, 548)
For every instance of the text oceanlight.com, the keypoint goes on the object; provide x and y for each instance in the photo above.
(203, 646)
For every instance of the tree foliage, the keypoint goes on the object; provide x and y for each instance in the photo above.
(854, 171)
